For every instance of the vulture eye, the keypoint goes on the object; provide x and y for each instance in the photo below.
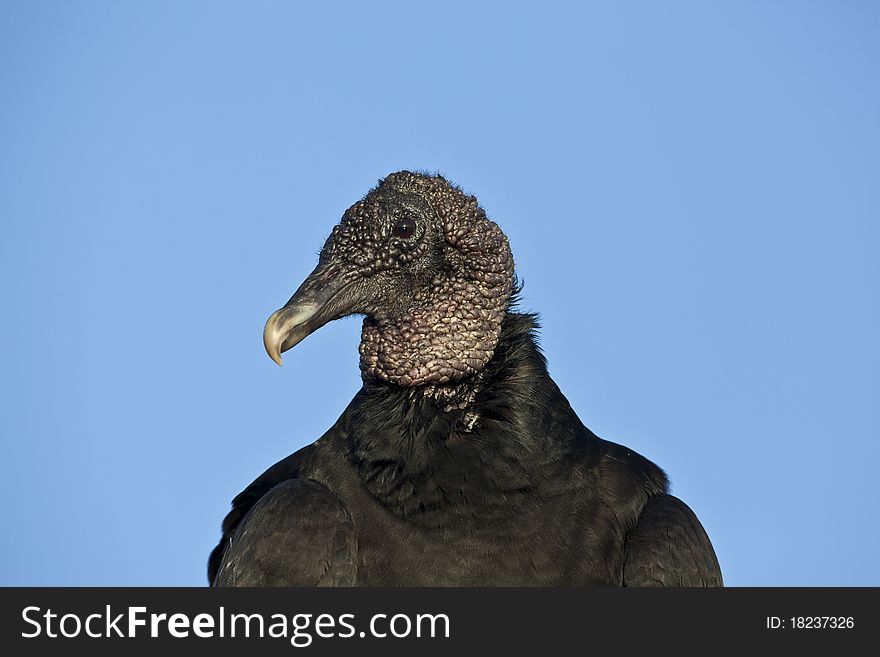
(404, 229)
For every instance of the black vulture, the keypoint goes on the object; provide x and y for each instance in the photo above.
(459, 462)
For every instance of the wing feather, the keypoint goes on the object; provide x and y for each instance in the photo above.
(297, 534)
(669, 547)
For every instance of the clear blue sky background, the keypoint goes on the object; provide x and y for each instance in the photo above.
(691, 191)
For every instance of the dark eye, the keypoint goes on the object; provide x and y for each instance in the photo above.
(404, 229)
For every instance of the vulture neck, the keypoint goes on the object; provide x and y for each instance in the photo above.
(421, 448)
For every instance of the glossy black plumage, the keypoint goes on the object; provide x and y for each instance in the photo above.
(403, 491)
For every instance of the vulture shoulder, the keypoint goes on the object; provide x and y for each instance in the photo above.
(669, 547)
(297, 532)
(283, 529)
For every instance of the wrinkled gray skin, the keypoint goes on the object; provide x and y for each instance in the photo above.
(430, 271)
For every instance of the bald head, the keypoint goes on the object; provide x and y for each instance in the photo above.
(431, 273)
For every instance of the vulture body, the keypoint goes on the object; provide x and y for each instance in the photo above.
(459, 462)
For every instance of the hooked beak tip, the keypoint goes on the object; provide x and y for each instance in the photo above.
(272, 340)
(311, 306)
(287, 327)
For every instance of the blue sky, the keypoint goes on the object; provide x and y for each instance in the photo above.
(690, 190)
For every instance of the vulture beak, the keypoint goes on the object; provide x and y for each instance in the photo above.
(320, 299)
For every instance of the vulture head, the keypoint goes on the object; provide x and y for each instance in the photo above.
(432, 275)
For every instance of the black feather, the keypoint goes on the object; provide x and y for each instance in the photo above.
(511, 490)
